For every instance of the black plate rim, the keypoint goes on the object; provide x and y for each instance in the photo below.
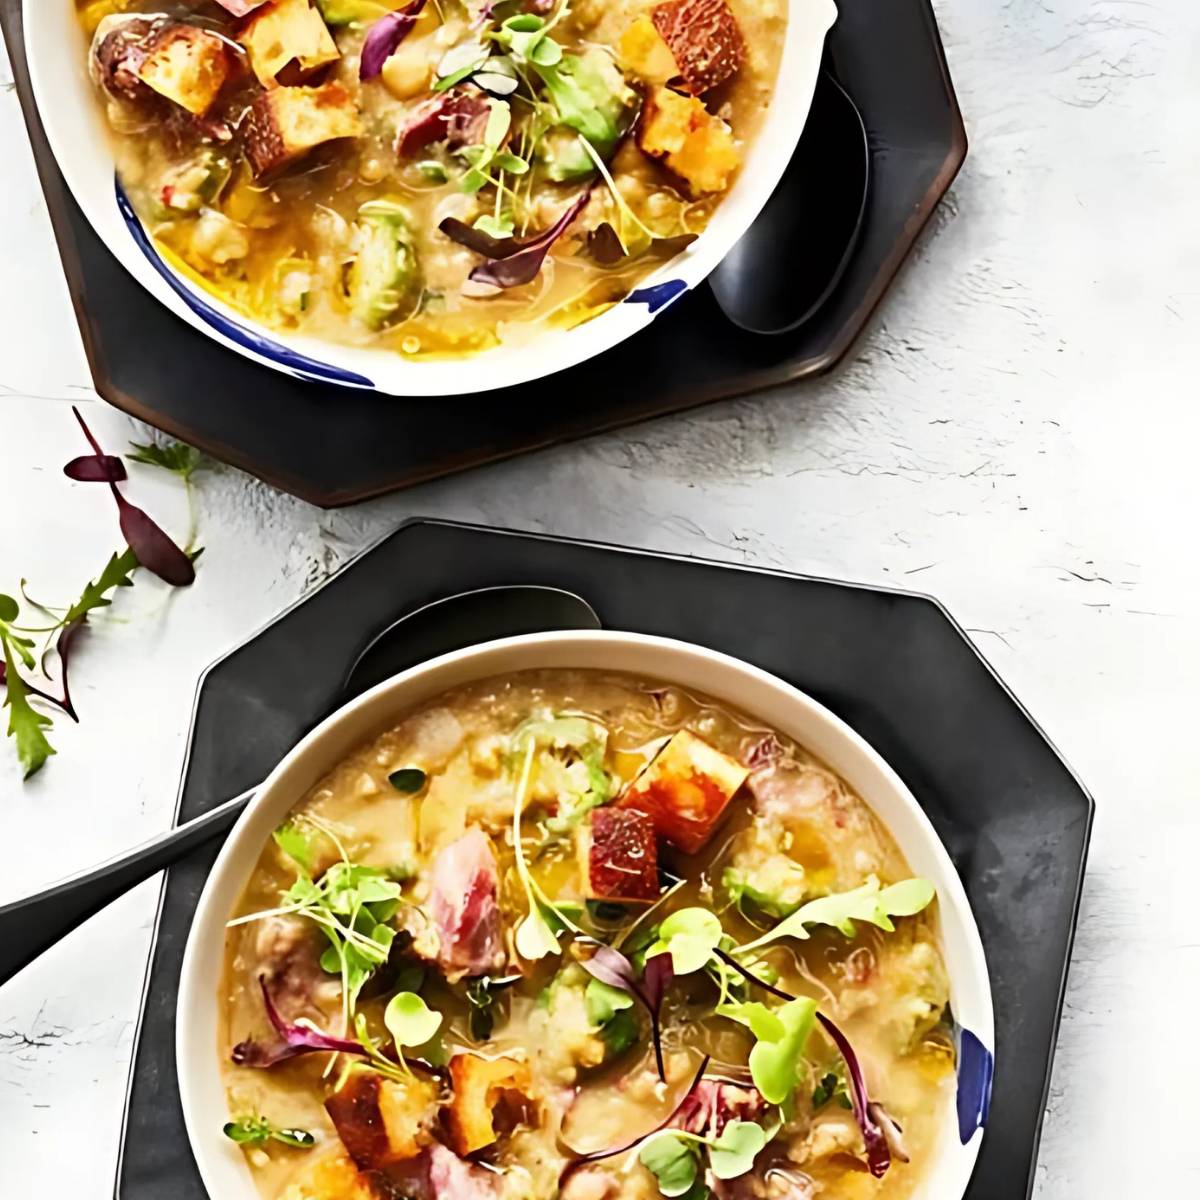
(417, 521)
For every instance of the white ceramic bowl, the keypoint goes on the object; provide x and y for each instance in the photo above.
(755, 692)
(78, 134)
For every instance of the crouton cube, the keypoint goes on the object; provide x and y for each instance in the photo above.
(618, 855)
(284, 124)
(685, 790)
(332, 1175)
(381, 1121)
(644, 52)
(284, 32)
(704, 39)
(694, 144)
(188, 66)
(488, 1092)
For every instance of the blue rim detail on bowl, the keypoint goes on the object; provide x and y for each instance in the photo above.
(658, 295)
(300, 364)
(975, 1069)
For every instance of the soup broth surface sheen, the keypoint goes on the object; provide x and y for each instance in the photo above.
(423, 804)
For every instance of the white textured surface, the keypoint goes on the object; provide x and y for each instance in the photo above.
(1017, 435)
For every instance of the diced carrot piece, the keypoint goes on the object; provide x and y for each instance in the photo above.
(685, 790)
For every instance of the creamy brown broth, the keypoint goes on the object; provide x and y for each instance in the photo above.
(887, 991)
(295, 248)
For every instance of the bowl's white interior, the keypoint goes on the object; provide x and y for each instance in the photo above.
(755, 692)
(79, 137)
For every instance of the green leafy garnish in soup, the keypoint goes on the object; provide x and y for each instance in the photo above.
(579, 983)
(434, 177)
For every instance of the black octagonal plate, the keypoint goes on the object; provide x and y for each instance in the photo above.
(335, 446)
(894, 665)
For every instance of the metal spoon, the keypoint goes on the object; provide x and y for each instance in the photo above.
(789, 261)
(33, 924)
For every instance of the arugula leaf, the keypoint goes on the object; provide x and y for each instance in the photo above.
(257, 1131)
(25, 723)
(775, 1062)
(732, 1153)
(175, 457)
(116, 573)
(868, 903)
(674, 1162)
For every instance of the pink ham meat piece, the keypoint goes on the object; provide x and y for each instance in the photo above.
(462, 903)
(458, 119)
(437, 1173)
(714, 1104)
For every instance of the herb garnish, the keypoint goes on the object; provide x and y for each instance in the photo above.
(294, 1040)
(409, 780)
(868, 903)
(352, 905)
(154, 549)
(411, 1022)
(60, 627)
(257, 1131)
(618, 974)
(537, 933)
(483, 993)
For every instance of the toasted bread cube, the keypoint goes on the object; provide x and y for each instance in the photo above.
(685, 790)
(330, 1176)
(188, 66)
(381, 1121)
(485, 1090)
(618, 855)
(284, 32)
(693, 143)
(284, 124)
(704, 39)
(645, 53)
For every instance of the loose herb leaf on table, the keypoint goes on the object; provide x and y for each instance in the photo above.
(26, 687)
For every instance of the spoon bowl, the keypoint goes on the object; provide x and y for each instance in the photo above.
(787, 265)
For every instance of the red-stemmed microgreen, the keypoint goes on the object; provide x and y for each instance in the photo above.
(154, 549)
(611, 968)
(293, 1039)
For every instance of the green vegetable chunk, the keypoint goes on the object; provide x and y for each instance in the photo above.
(384, 272)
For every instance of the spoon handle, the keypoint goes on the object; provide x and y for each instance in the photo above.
(33, 924)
